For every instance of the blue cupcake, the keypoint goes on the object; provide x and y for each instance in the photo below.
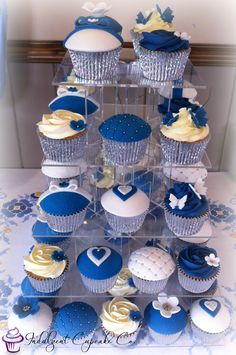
(198, 268)
(76, 321)
(186, 208)
(29, 291)
(125, 138)
(165, 318)
(64, 206)
(99, 268)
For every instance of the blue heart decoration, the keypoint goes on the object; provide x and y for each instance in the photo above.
(124, 192)
(98, 255)
(211, 306)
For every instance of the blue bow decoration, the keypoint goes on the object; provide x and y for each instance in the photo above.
(169, 119)
(94, 21)
(78, 125)
(166, 15)
(142, 19)
(199, 117)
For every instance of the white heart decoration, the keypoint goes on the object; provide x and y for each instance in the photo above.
(96, 261)
(124, 190)
(211, 305)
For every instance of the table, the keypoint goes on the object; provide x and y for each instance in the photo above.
(18, 196)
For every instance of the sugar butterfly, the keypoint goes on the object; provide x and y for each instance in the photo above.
(199, 188)
(175, 202)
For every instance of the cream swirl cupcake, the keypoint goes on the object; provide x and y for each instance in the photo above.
(121, 321)
(62, 135)
(124, 285)
(184, 136)
(45, 267)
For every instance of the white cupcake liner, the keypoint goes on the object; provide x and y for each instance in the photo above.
(147, 286)
(125, 224)
(65, 224)
(164, 339)
(196, 285)
(163, 66)
(136, 38)
(183, 153)
(182, 226)
(205, 337)
(123, 340)
(63, 150)
(99, 286)
(97, 65)
(124, 153)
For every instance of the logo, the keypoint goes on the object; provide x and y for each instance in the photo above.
(12, 340)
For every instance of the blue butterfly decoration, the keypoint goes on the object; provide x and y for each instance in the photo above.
(169, 119)
(166, 15)
(142, 19)
(199, 117)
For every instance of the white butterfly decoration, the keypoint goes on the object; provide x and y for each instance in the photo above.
(199, 188)
(175, 202)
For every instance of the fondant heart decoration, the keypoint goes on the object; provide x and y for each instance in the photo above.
(212, 307)
(124, 192)
(98, 255)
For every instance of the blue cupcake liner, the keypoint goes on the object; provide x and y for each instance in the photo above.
(99, 286)
(95, 65)
(183, 153)
(122, 340)
(146, 286)
(65, 224)
(125, 224)
(124, 153)
(184, 226)
(164, 339)
(163, 66)
(205, 337)
(63, 150)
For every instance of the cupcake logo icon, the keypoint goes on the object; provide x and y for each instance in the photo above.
(12, 340)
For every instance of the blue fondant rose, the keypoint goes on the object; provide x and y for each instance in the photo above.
(78, 125)
(26, 306)
(164, 41)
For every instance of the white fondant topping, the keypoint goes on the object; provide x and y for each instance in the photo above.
(194, 240)
(133, 206)
(150, 263)
(92, 40)
(36, 323)
(206, 322)
(188, 175)
(62, 170)
(96, 261)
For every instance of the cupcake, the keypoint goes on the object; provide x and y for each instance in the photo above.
(150, 267)
(175, 104)
(166, 319)
(125, 138)
(62, 135)
(163, 53)
(77, 321)
(184, 136)
(150, 21)
(42, 233)
(13, 340)
(99, 268)
(121, 321)
(174, 173)
(210, 319)
(29, 315)
(124, 285)
(186, 208)
(198, 268)
(46, 266)
(64, 206)
(102, 180)
(28, 291)
(61, 171)
(95, 45)
(125, 208)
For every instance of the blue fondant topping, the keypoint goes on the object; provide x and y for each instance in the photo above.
(166, 15)
(162, 325)
(26, 306)
(141, 19)
(193, 207)
(164, 41)
(64, 203)
(192, 261)
(211, 306)
(121, 192)
(125, 128)
(76, 319)
(78, 125)
(175, 104)
(108, 268)
(74, 103)
(28, 290)
(104, 22)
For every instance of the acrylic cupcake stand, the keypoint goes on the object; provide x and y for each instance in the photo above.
(127, 92)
